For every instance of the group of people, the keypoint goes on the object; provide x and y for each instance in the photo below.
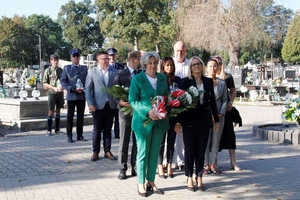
(195, 137)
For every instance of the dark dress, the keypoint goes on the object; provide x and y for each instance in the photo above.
(228, 140)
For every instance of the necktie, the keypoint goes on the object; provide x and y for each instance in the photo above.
(134, 72)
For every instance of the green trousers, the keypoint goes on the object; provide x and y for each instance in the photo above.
(147, 154)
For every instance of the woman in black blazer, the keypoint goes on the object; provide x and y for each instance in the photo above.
(196, 122)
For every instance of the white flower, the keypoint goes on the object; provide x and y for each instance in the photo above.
(293, 104)
(188, 97)
(243, 89)
(297, 112)
(284, 109)
(194, 91)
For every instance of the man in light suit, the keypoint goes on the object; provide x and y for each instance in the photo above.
(123, 78)
(101, 104)
(71, 75)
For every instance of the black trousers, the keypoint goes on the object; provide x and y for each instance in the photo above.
(103, 121)
(195, 141)
(80, 106)
(171, 137)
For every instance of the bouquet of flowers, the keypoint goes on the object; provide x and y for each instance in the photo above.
(177, 102)
(291, 112)
(159, 105)
(33, 80)
(278, 80)
(249, 78)
(121, 92)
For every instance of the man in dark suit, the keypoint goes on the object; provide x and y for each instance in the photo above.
(112, 52)
(73, 80)
(123, 78)
(101, 104)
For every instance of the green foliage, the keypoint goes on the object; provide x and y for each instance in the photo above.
(291, 112)
(80, 29)
(120, 92)
(50, 32)
(15, 45)
(145, 21)
(291, 45)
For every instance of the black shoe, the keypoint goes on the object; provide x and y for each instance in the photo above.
(133, 172)
(162, 176)
(81, 139)
(70, 140)
(140, 193)
(170, 175)
(122, 175)
(192, 189)
(150, 188)
(180, 167)
(201, 188)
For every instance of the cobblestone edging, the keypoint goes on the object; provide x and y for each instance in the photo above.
(288, 134)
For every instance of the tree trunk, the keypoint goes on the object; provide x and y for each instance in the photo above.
(234, 54)
(157, 48)
(136, 44)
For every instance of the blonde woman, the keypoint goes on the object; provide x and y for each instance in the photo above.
(197, 122)
(228, 140)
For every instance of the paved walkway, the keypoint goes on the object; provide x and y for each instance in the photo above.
(33, 166)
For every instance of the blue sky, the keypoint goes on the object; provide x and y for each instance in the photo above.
(28, 7)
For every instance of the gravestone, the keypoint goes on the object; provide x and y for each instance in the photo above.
(239, 76)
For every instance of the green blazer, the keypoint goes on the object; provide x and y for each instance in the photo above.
(140, 94)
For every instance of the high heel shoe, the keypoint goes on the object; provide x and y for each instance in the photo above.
(150, 188)
(192, 189)
(143, 194)
(171, 175)
(200, 188)
(162, 176)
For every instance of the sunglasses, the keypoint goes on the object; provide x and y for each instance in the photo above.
(76, 55)
(196, 65)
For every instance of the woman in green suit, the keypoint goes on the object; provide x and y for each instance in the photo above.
(145, 86)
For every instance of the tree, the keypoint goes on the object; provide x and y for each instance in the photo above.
(80, 29)
(135, 21)
(291, 45)
(217, 25)
(50, 33)
(15, 47)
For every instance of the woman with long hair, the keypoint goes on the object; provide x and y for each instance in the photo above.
(196, 122)
(167, 67)
(228, 139)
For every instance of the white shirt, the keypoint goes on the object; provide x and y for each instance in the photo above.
(200, 87)
(153, 81)
(131, 71)
(105, 74)
(181, 69)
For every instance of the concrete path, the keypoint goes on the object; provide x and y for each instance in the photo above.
(34, 166)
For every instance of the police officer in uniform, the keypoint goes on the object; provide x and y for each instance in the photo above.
(73, 80)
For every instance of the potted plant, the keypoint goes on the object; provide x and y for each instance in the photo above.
(291, 112)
